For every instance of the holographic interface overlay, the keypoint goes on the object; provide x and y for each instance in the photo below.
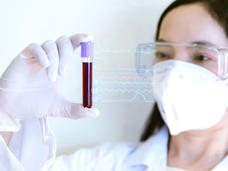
(121, 85)
(114, 83)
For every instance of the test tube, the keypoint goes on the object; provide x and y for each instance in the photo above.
(87, 54)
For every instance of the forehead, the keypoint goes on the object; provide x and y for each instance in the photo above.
(191, 23)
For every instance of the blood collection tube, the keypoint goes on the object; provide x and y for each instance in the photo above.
(87, 54)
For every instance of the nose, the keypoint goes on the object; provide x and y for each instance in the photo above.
(181, 54)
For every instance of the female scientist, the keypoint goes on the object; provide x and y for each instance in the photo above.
(188, 128)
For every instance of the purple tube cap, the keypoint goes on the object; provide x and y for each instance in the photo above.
(87, 49)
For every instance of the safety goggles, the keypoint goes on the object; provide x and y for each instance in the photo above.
(212, 58)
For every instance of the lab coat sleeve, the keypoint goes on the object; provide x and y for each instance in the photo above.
(32, 148)
(8, 161)
(105, 157)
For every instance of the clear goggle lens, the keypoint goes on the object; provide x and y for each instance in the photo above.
(209, 57)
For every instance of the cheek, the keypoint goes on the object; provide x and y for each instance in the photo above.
(156, 60)
(214, 70)
(211, 67)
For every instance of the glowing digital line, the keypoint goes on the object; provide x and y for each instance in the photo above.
(121, 85)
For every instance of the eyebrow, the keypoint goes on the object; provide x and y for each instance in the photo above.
(202, 43)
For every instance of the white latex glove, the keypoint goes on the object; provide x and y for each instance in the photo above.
(30, 86)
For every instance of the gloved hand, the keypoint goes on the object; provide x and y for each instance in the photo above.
(30, 87)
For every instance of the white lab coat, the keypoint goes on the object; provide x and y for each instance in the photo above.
(146, 156)
(33, 149)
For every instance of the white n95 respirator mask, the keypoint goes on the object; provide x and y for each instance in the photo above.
(189, 96)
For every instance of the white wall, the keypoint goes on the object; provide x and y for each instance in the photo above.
(115, 24)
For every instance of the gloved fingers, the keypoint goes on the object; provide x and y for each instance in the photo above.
(95, 112)
(35, 51)
(78, 38)
(78, 111)
(51, 50)
(75, 111)
(65, 53)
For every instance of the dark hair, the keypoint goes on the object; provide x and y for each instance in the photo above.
(218, 9)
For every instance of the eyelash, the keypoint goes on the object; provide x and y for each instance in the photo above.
(162, 55)
(201, 58)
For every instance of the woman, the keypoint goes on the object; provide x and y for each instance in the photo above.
(186, 131)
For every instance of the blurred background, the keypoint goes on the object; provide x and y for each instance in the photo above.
(115, 25)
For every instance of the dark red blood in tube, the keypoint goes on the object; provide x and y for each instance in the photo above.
(87, 84)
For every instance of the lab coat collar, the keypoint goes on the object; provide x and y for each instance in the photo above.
(34, 146)
(152, 153)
